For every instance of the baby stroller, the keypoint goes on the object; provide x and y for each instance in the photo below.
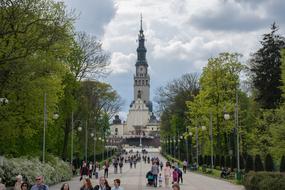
(150, 179)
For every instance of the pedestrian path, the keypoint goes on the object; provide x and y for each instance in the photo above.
(135, 179)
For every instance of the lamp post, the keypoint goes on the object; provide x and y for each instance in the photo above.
(227, 117)
(174, 146)
(188, 158)
(55, 116)
(211, 138)
(197, 147)
(86, 140)
(204, 128)
(197, 142)
(180, 146)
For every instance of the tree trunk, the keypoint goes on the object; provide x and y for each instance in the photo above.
(218, 136)
(65, 140)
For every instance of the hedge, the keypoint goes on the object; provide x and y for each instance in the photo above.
(264, 181)
(54, 170)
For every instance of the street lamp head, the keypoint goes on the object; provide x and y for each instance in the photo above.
(191, 134)
(181, 137)
(92, 134)
(79, 129)
(4, 101)
(204, 128)
(226, 116)
(55, 116)
(100, 138)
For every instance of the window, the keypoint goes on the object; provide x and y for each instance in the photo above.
(142, 82)
(146, 82)
(136, 82)
(116, 131)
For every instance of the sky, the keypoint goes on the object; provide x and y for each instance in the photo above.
(181, 34)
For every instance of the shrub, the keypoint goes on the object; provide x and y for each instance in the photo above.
(269, 165)
(249, 163)
(54, 170)
(282, 164)
(264, 181)
(258, 166)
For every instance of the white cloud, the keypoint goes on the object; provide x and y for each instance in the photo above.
(121, 63)
(182, 34)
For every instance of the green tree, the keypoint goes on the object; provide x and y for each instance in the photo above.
(219, 83)
(171, 100)
(265, 70)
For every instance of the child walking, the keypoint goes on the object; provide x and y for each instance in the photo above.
(160, 180)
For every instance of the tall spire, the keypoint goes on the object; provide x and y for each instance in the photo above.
(141, 24)
(141, 50)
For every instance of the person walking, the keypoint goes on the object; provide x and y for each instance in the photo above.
(160, 180)
(90, 168)
(167, 173)
(117, 185)
(174, 175)
(161, 165)
(103, 184)
(39, 185)
(115, 164)
(180, 175)
(87, 185)
(185, 164)
(155, 171)
(131, 163)
(106, 169)
(121, 164)
(19, 181)
(96, 170)
(84, 171)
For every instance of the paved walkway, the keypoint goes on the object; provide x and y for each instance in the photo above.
(134, 179)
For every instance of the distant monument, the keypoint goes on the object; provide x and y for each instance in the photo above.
(141, 121)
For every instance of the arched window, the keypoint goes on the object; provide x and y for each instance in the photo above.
(146, 82)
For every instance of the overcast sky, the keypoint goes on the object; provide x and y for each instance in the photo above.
(181, 34)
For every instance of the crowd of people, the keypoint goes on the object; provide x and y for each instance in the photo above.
(159, 172)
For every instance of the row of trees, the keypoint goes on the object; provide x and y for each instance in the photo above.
(42, 55)
(250, 95)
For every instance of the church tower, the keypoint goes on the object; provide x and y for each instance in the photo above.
(141, 77)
